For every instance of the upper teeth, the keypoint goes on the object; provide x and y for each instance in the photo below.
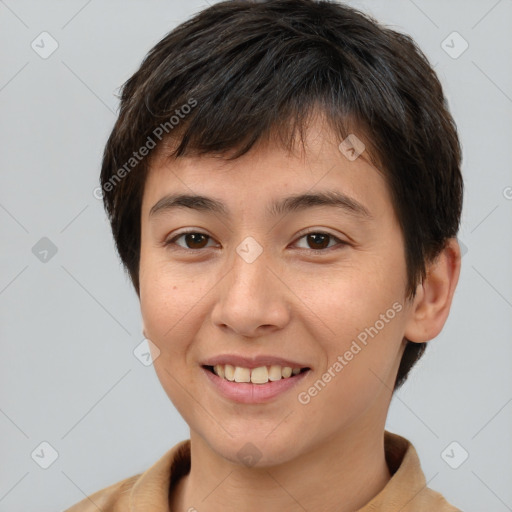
(260, 375)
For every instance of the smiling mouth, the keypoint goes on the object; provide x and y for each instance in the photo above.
(260, 375)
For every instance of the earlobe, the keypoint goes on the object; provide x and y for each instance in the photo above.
(431, 305)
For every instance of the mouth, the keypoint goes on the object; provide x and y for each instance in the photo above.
(252, 386)
(260, 375)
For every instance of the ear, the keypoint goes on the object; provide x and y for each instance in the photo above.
(431, 304)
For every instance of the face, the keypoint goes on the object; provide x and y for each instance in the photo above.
(320, 285)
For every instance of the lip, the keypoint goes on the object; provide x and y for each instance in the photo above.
(252, 362)
(248, 393)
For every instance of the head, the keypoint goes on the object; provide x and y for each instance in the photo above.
(248, 102)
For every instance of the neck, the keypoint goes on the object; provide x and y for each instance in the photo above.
(341, 474)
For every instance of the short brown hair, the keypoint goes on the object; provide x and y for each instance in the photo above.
(246, 68)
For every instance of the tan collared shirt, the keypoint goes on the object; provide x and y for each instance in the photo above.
(406, 491)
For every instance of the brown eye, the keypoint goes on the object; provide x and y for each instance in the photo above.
(193, 240)
(316, 241)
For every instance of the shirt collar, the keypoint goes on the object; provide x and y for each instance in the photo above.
(151, 490)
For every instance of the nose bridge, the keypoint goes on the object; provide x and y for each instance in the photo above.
(248, 278)
(249, 269)
(250, 296)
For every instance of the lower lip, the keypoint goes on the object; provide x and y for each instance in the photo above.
(248, 393)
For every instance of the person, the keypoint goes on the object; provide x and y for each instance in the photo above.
(284, 189)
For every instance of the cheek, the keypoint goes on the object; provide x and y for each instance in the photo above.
(170, 302)
(160, 304)
(349, 298)
(358, 315)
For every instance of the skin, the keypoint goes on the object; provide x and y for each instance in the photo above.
(308, 306)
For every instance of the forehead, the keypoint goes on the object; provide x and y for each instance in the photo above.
(269, 171)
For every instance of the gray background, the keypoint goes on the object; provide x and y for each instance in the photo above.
(69, 325)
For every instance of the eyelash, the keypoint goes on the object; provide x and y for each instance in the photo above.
(340, 244)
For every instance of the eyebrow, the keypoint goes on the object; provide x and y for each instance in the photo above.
(298, 202)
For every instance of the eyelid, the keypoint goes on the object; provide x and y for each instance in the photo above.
(319, 231)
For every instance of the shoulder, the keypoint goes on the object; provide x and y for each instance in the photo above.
(433, 500)
(108, 499)
(145, 491)
(407, 489)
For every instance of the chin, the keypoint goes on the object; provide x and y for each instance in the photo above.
(255, 449)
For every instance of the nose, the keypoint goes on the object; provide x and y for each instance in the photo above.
(252, 301)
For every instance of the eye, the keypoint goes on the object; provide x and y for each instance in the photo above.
(319, 240)
(193, 240)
